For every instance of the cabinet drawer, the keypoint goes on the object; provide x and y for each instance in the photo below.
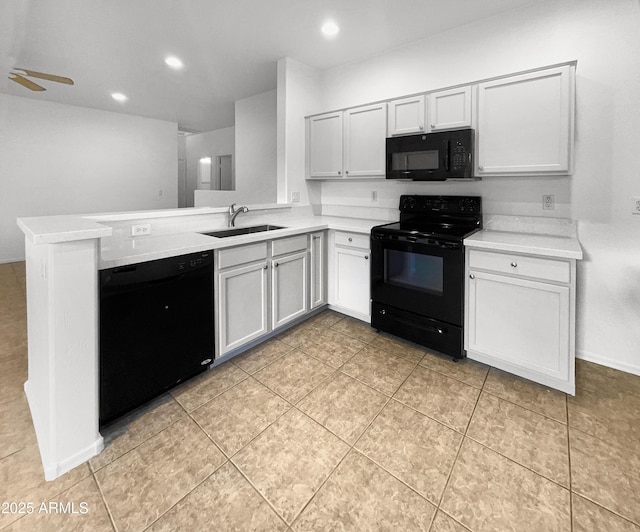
(524, 265)
(242, 254)
(289, 245)
(356, 240)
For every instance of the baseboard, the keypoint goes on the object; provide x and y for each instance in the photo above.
(8, 261)
(348, 312)
(53, 469)
(608, 362)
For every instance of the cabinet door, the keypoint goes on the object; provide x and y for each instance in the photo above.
(243, 305)
(352, 279)
(317, 277)
(289, 288)
(525, 123)
(325, 145)
(406, 115)
(365, 132)
(522, 323)
(450, 109)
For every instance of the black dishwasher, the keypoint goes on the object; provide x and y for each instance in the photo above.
(156, 329)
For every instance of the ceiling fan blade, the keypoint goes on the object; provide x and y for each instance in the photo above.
(48, 77)
(26, 82)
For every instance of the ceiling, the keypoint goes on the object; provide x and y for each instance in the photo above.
(229, 47)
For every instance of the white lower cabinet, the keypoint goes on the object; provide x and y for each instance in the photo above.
(289, 284)
(243, 303)
(520, 315)
(350, 274)
(261, 287)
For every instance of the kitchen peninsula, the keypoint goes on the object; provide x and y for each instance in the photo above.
(63, 255)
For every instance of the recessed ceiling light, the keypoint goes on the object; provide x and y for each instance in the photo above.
(174, 62)
(330, 29)
(119, 97)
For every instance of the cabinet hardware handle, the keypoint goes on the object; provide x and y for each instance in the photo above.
(480, 167)
(315, 237)
(433, 126)
(383, 312)
(514, 264)
(350, 239)
(366, 257)
(276, 264)
(266, 266)
(471, 276)
(421, 127)
(346, 172)
(339, 172)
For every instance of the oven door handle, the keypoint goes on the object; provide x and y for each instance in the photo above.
(439, 330)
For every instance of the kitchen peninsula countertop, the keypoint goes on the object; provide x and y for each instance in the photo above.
(119, 250)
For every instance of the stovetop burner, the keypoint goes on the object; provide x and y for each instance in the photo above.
(426, 229)
(450, 218)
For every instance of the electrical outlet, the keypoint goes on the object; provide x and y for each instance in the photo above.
(548, 202)
(374, 195)
(635, 206)
(140, 229)
(295, 197)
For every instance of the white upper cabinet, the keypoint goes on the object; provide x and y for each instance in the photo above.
(325, 145)
(525, 123)
(450, 109)
(364, 141)
(406, 115)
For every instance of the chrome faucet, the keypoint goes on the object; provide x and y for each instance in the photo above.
(233, 213)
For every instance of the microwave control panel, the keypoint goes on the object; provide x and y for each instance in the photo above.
(460, 157)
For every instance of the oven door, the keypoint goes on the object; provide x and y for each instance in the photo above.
(421, 276)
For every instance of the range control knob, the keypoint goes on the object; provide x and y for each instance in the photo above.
(409, 202)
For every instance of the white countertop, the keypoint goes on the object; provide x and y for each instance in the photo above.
(567, 247)
(52, 229)
(121, 252)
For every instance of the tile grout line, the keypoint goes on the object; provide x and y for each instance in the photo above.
(294, 406)
(147, 527)
(104, 501)
(255, 488)
(455, 460)
(352, 448)
(599, 505)
(524, 407)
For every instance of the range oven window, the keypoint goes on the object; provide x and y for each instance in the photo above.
(415, 160)
(414, 270)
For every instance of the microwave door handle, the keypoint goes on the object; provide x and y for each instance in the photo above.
(446, 155)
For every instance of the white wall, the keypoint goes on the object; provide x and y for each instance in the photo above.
(61, 159)
(604, 38)
(209, 144)
(298, 96)
(255, 155)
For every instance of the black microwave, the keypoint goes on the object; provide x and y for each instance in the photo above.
(431, 156)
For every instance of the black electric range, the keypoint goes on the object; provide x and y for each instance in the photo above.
(417, 270)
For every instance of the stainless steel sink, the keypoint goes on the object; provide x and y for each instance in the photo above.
(242, 230)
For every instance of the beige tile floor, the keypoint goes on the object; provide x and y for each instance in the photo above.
(331, 426)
